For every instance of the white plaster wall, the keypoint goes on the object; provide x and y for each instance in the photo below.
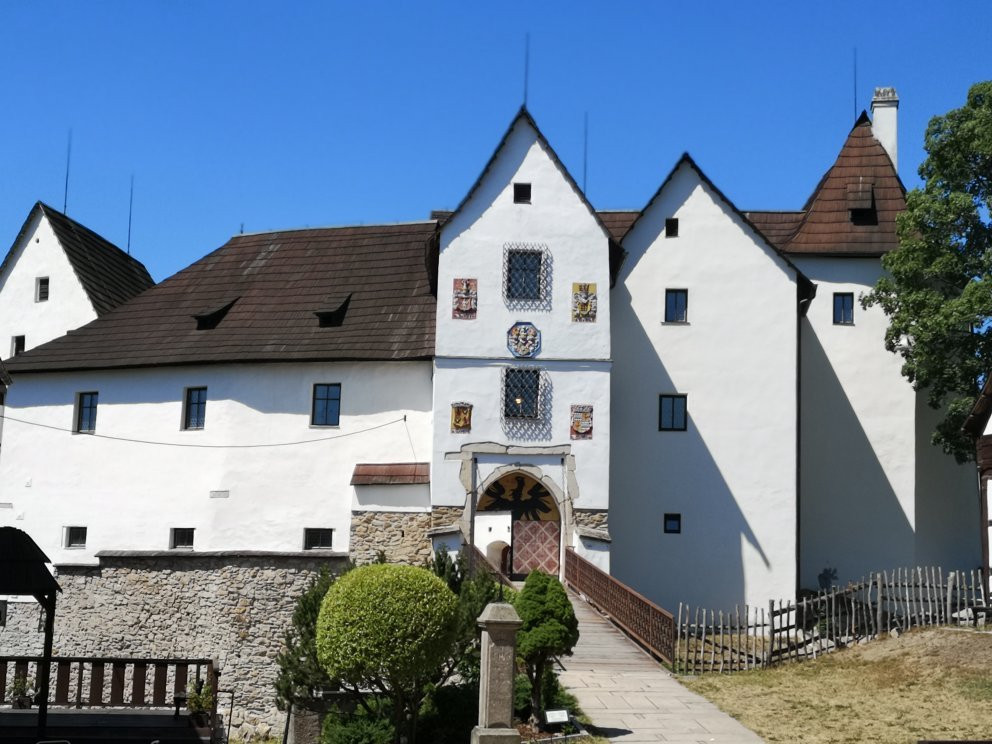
(492, 527)
(875, 493)
(472, 247)
(39, 254)
(480, 383)
(129, 495)
(732, 474)
(595, 551)
(392, 498)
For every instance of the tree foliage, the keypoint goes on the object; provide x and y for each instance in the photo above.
(388, 628)
(300, 671)
(938, 292)
(549, 629)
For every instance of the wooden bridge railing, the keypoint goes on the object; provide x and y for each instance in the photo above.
(644, 621)
(478, 562)
(91, 682)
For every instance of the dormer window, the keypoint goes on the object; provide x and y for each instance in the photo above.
(521, 193)
(41, 289)
(861, 202)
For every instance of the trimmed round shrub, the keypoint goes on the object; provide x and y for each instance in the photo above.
(386, 626)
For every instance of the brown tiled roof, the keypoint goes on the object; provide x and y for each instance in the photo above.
(980, 412)
(391, 474)
(278, 282)
(108, 275)
(778, 227)
(862, 167)
(617, 222)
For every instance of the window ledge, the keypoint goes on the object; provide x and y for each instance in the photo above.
(325, 426)
(676, 322)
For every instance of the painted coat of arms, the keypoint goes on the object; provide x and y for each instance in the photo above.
(461, 418)
(584, 302)
(581, 427)
(465, 299)
(523, 340)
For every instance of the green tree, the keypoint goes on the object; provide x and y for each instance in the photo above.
(389, 628)
(300, 671)
(549, 629)
(938, 291)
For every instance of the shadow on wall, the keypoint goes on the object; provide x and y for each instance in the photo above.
(948, 505)
(851, 521)
(702, 565)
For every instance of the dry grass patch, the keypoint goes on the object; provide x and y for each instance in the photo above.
(928, 684)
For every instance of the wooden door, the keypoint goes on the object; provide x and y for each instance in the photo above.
(535, 547)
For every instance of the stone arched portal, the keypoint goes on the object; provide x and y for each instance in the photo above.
(535, 520)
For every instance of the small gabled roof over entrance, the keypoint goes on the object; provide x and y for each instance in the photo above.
(108, 275)
(23, 562)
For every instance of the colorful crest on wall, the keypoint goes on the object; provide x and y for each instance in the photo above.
(584, 302)
(581, 427)
(523, 340)
(461, 418)
(465, 299)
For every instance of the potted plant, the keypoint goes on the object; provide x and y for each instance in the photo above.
(21, 692)
(200, 703)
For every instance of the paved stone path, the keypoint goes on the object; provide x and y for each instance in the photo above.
(632, 698)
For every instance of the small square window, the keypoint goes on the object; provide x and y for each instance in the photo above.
(75, 537)
(676, 305)
(672, 227)
(195, 408)
(326, 409)
(843, 308)
(673, 524)
(523, 275)
(671, 413)
(181, 538)
(521, 393)
(41, 289)
(16, 345)
(86, 404)
(317, 538)
(521, 193)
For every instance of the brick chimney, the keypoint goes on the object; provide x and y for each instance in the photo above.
(884, 113)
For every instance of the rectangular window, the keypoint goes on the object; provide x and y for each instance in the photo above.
(317, 538)
(673, 524)
(86, 412)
(843, 308)
(75, 537)
(195, 409)
(521, 393)
(676, 305)
(181, 537)
(671, 413)
(16, 345)
(41, 289)
(672, 227)
(326, 410)
(521, 193)
(523, 275)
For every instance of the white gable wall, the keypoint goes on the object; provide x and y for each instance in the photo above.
(39, 254)
(129, 495)
(472, 354)
(732, 474)
(875, 493)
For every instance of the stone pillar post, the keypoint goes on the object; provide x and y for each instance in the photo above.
(499, 623)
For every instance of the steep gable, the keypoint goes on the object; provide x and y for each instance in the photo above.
(108, 275)
(853, 209)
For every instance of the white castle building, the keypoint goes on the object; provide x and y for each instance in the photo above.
(689, 395)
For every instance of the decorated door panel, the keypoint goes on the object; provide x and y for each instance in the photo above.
(535, 547)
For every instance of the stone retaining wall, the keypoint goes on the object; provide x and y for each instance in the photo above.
(231, 607)
(402, 536)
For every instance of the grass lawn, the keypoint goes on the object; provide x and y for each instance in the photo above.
(928, 684)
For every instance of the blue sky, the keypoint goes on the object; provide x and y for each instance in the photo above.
(279, 115)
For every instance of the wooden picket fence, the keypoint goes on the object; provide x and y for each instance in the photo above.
(710, 641)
